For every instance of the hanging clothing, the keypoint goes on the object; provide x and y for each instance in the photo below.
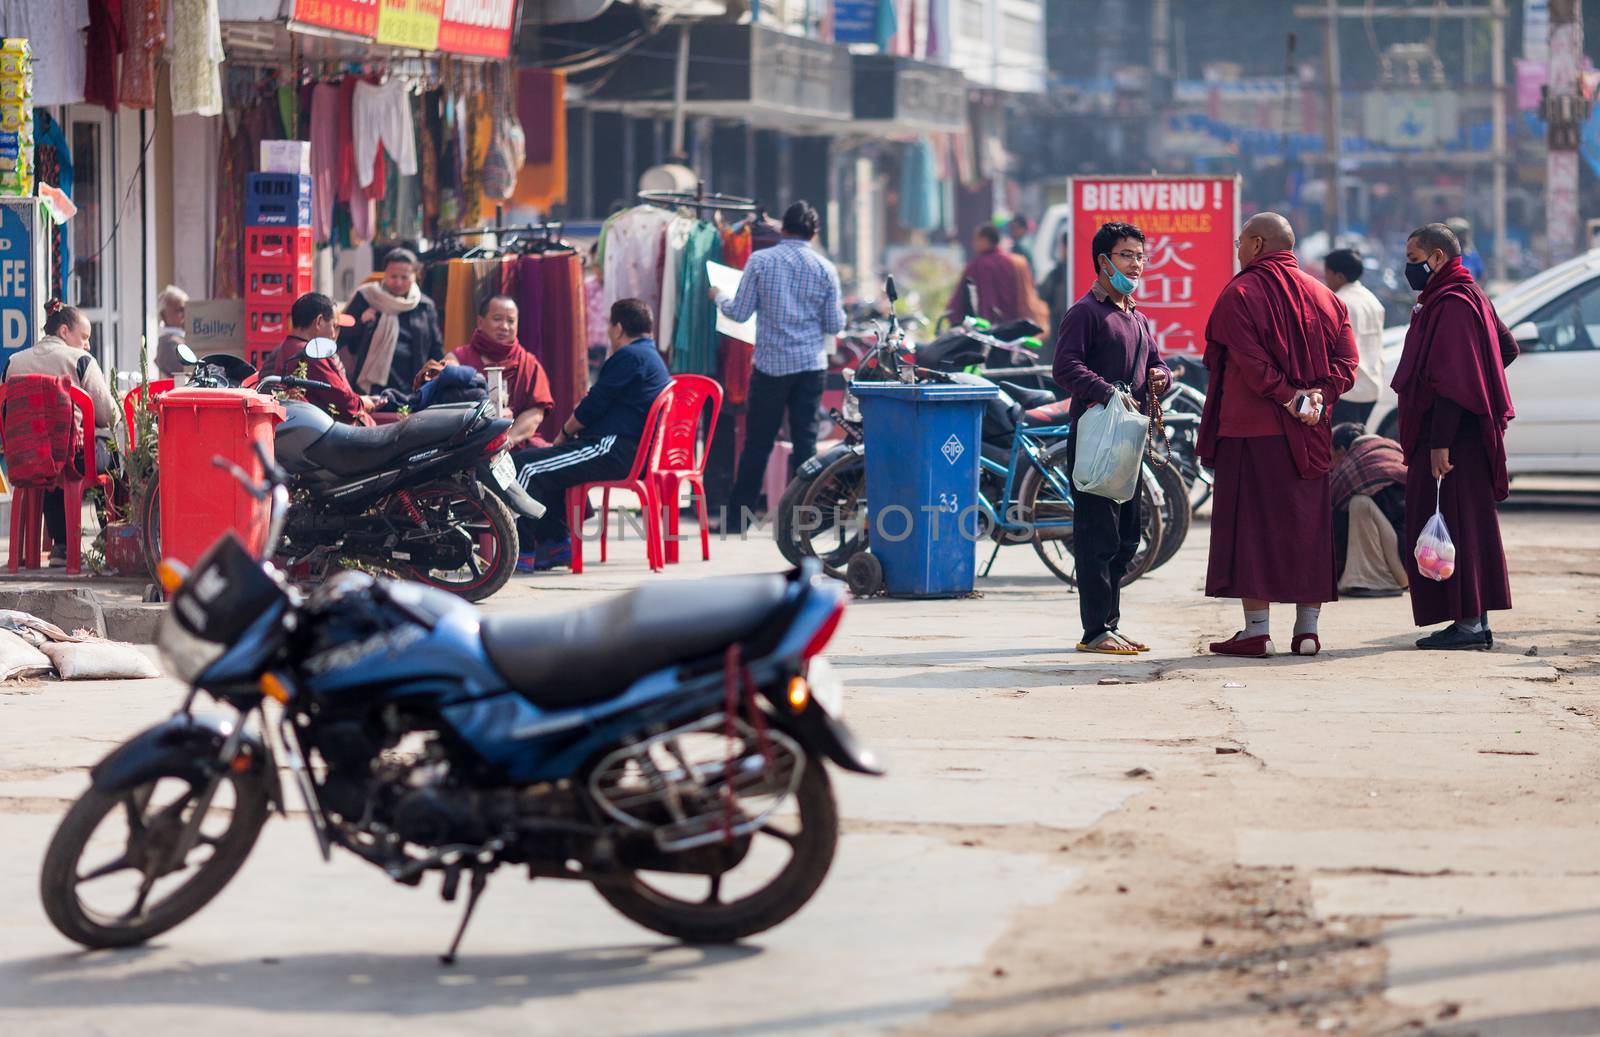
(147, 35)
(542, 108)
(381, 114)
(52, 164)
(677, 238)
(564, 354)
(106, 42)
(920, 190)
(324, 158)
(460, 314)
(196, 57)
(530, 304)
(633, 256)
(694, 336)
(736, 246)
(597, 318)
(55, 38)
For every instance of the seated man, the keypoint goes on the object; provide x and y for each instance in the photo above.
(600, 439)
(313, 316)
(526, 388)
(1368, 484)
(64, 350)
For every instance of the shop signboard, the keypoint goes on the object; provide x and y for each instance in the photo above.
(214, 326)
(1189, 224)
(855, 21)
(22, 259)
(412, 24)
(352, 17)
(480, 27)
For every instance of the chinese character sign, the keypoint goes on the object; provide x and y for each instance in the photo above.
(481, 27)
(413, 24)
(355, 17)
(1189, 224)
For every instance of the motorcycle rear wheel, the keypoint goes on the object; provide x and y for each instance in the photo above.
(490, 551)
(148, 832)
(713, 921)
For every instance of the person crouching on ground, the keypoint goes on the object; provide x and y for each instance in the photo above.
(599, 441)
(1368, 483)
(1454, 407)
(1280, 351)
(1104, 342)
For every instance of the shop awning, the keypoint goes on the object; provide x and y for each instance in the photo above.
(897, 93)
(757, 75)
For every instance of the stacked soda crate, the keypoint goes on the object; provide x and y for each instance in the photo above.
(279, 250)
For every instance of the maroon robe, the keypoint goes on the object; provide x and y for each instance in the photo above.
(1452, 391)
(999, 289)
(1274, 332)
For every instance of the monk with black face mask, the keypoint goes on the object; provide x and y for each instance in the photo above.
(1453, 408)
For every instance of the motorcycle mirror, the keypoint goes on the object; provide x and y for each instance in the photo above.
(186, 355)
(321, 348)
(889, 289)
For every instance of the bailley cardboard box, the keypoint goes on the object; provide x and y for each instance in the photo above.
(215, 326)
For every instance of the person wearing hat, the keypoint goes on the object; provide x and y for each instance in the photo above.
(313, 316)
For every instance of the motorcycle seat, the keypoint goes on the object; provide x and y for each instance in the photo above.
(1055, 413)
(357, 449)
(1028, 398)
(572, 659)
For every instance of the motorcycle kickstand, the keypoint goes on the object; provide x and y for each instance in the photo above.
(480, 879)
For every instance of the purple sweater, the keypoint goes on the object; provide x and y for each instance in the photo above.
(1099, 345)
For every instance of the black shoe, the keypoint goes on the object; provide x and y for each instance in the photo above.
(58, 554)
(1453, 639)
(1368, 592)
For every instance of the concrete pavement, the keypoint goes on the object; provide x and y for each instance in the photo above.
(1357, 843)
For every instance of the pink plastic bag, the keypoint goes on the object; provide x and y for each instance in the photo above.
(1435, 552)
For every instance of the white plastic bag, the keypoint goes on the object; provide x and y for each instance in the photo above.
(1110, 449)
(99, 660)
(18, 658)
(1435, 552)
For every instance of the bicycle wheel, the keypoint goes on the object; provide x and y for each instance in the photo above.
(1040, 502)
(1176, 512)
(830, 523)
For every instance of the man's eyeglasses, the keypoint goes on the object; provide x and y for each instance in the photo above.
(1130, 257)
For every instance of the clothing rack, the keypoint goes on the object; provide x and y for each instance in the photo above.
(701, 201)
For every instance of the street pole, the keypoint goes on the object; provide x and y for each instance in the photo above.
(1497, 147)
(1335, 115)
(1564, 113)
(1288, 117)
(680, 92)
(1159, 88)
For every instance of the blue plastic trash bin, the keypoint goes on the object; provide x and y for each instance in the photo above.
(923, 443)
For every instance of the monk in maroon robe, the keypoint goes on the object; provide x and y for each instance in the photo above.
(994, 280)
(1280, 351)
(1454, 407)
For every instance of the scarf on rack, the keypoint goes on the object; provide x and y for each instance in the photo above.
(380, 348)
(525, 382)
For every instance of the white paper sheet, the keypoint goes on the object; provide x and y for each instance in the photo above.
(726, 279)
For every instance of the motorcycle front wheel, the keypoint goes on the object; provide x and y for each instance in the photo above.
(453, 539)
(111, 876)
(693, 908)
(830, 518)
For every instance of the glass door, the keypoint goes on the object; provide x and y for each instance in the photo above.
(91, 263)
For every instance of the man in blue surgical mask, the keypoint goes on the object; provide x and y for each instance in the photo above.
(1105, 346)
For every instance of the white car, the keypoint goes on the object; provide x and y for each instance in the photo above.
(1555, 318)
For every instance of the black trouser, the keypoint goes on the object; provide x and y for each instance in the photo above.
(771, 396)
(547, 472)
(55, 501)
(1105, 537)
(1344, 411)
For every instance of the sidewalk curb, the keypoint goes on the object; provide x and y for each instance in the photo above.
(75, 608)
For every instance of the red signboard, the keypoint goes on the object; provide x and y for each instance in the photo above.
(356, 17)
(1189, 224)
(480, 27)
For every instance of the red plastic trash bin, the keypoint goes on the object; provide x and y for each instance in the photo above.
(199, 500)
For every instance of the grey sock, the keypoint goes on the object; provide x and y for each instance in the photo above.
(1473, 626)
(1305, 618)
(1258, 622)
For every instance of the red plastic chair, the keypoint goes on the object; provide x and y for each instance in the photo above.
(27, 502)
(158, 388)
(640, 480)
(679, 463)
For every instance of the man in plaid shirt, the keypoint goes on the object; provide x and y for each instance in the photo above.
(793, 290)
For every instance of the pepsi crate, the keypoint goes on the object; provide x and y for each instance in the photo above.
(277, 200)
(275, 285)
(279, 248)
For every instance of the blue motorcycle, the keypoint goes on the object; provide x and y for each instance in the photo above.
(667, 746)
